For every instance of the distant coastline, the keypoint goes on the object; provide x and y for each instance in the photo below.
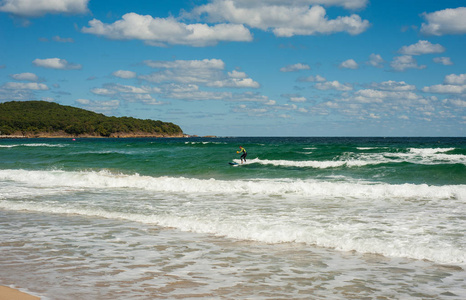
(122, 135)
(41, 119)
(113, 135)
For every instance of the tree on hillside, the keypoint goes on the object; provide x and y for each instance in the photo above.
(32, 117)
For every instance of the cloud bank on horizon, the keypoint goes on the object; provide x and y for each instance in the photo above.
(240, 67)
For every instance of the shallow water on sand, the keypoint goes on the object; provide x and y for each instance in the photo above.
(72, 257)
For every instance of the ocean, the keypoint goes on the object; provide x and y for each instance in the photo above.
(169, 218)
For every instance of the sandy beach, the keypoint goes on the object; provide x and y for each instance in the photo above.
(7, 293)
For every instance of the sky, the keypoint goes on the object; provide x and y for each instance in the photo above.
(245, 68)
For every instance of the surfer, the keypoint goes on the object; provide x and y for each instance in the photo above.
(243, 156)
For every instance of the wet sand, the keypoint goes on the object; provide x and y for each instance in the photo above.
(7, 293)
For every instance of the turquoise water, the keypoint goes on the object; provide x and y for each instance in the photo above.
(326, 218)
(433, 161)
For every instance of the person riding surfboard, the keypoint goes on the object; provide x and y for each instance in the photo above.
(244, 153)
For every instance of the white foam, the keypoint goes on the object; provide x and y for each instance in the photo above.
(429, 151)
(33, 145)
(370, 148)
(282, 228)
(406, 220)
(415, 156)
(105, 179)
(301, 164)
(205, 143)
(429, 156)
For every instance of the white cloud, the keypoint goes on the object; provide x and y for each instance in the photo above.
(333, 85)
(298, 99)
(455, 102)
(295, 98)
(37, 8)
(452, 84)
(422, 47)
(250, 97)
(191, 95)
(295, 67)
(235, 83)
(236, 74)
(391, 85)
(447, 21)
(25, 77)
(56, 63)
(349, 64)
(99, 106)
(316, 78)
(9, 95)
(128, 89)
(375, 60)
(401, 63)
(62, 40)
(25, 86)
(162, 31)
(284, 116)
(129, 93)
(445, 89)
(83, 101)
(103, 91)
(391, 100)
(369, 96)
(455, 79)
(22, 90)
(187, 64)
(283, 18)
(446, 61)
(331, 104)
(181, 79)
(112, 89)
(181, 88)
(378, 96)
(207, 72)
(303, 110)
(186, 71)
(124, 74)
(348, 4)
(143, 98)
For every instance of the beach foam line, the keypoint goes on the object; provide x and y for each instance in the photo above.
(261, 228)
(57, 180)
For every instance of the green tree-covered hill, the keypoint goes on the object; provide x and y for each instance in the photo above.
(40, 118)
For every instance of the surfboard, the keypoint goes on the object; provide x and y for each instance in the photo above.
(233, 164)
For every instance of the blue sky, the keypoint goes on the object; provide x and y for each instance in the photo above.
(245, 68)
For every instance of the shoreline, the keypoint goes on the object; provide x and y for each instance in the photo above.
(89, 136)
(100, 137)
(8, 293)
